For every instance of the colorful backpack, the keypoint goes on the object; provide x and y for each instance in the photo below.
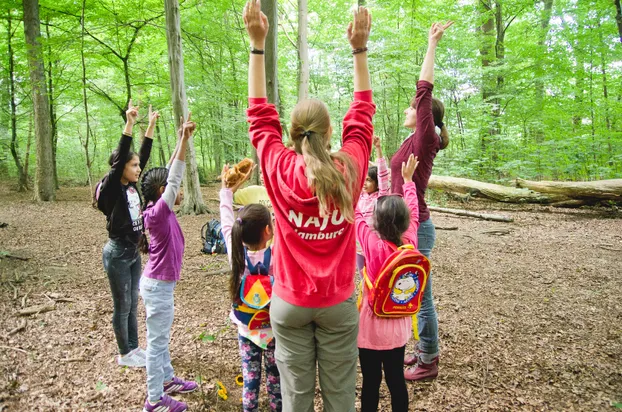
(399, 286)
(255, 293)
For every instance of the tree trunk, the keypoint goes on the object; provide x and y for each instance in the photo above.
(45, 189)
(487, 42)
(85, 144)
(193, 200)
(485, 216)
(619, 17)
(52, 106)
(22, 177)
(598, 189)
(545, 20)
(491, 191)
(303, 52)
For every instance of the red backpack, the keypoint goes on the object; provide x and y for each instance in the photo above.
(399, 286)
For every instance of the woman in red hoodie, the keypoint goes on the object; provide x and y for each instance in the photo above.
(314, 193)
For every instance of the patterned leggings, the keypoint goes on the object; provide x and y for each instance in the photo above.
(251, 371)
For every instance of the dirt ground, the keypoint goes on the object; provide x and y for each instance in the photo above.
(530, 313)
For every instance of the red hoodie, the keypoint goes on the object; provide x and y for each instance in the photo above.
(314, 256)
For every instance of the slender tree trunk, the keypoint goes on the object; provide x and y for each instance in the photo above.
(603, 71)
(545, 20)
(193, 200)
(52, 105)
(28, 142)
(303, 51)
(619, 17)
(487, 42)
(45, 189)
(85, 143)
(22, 177)
(163, 160)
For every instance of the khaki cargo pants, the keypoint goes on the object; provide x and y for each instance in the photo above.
(306, 337)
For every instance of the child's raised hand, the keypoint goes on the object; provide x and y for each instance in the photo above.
(408, 169)
(359, 28)
(131, 113)
(256, 23)
(239, 183)
(376, 142)
(437, 30)
(187, 127)
(153, 116)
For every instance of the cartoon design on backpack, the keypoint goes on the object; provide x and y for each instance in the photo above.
(406, 287)
(399, 285)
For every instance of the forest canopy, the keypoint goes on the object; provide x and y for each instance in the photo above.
(532, 89)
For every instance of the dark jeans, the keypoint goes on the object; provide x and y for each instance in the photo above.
(372, 363)
(122, 264)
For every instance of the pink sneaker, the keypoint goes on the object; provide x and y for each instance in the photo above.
(165, 404)
(178, 385)
(422, 371)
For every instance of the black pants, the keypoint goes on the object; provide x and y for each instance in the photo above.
(372, 363)
(122, 264)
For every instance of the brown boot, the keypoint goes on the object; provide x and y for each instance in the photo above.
(422, 371)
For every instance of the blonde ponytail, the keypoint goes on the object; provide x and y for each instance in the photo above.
(333, 187)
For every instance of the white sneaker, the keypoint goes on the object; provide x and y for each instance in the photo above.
(132, 360)
(140, 352)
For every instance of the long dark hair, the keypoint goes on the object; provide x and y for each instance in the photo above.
(114, 153)
(438, 113)
(247, 229)
(391, 218)
(372, 172)
(152, 181)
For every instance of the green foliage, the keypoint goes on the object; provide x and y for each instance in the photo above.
(549, 106)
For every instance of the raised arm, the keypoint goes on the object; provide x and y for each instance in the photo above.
(226, 205)
(358, 34)
(176, 171)
(384, 185)
(147, 144)
(434, 36)
(410, 197)
(257, 27)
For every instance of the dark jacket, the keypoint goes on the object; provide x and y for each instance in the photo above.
(112, 195)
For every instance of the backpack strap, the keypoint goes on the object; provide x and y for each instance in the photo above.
(366, 278)
(261, 268)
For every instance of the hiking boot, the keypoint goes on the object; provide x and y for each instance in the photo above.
(165, 404)
(178, 385)
(422, 371)
(132, 360)
(412, 358)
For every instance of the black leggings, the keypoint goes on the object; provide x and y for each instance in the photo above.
(372, 363)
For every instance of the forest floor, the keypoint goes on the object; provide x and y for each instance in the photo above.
(530, 312)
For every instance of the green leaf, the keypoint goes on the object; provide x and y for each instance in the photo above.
(100, 386)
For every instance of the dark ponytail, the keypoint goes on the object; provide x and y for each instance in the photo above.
(152, 181)
(391, 218)
(247, 229)
(438, 112)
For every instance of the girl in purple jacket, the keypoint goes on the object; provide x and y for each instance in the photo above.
(160, 188)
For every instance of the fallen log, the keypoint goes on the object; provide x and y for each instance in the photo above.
(598, 189)
(492, 191)
(485, 216)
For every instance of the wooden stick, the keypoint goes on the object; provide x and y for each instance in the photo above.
(36, 309)
(495, 218)
(12, 348)
(20, 327)
(446, 228)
